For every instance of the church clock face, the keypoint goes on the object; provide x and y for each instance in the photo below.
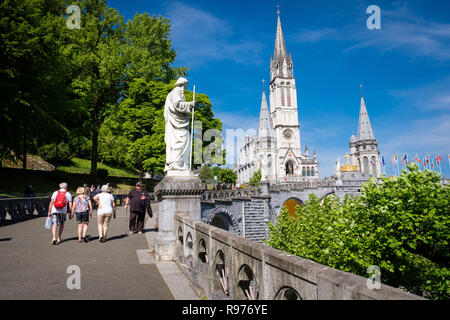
(287, 134)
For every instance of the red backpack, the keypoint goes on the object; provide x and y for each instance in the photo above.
(60, 201)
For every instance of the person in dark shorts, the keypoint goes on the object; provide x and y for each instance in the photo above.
(82, 207)
(137, 199)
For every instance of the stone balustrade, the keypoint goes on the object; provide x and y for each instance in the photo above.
(212, 195)
(302, 185)
(222, 265)
(19, 209)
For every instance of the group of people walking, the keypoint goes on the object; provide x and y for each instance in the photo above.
(81, 207)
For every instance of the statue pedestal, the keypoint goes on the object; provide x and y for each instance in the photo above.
(175, 193)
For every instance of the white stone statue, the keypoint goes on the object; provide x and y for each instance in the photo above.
(177, 134)
(338, 168)
(338, 165)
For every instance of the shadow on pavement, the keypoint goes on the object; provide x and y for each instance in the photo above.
(5, 239)
(68, 239)
(116, 237)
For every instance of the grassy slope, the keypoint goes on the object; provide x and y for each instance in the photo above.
(84, 166)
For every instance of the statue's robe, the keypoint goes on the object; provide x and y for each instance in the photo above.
(177, 136)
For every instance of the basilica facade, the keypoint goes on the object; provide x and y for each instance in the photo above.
(276, 149)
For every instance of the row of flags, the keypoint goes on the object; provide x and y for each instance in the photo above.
(425, 162)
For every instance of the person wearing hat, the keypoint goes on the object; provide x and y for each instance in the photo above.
(137, 200)
(106, 210)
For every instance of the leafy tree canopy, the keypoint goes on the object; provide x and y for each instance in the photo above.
(227, 176)
(401, 225)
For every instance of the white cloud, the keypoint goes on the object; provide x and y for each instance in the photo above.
(311, 36)
(400, 30)
(423, 135)
(200, 37)
(433, 96)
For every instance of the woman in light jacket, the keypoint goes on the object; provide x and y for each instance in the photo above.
(106, 210)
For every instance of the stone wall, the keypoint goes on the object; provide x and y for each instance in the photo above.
(207, 254)
(245, 216)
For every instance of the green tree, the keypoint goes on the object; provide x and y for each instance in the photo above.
(255, 179)
(108, 55)
(206, 174)
(138, 122)
(96, 52)
(401, 225)
(216, 171)
(227, 176)
(33, 76)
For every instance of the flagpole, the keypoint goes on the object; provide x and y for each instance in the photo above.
(192, 131)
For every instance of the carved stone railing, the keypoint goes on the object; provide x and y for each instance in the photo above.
(301, 185)
(222, 265)
(212, 195)
(20, 209)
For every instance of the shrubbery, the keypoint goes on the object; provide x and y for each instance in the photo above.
(255, 179)
(401, 225)
(227, 176)
(206, 174)
(56, 154)
(102, 173)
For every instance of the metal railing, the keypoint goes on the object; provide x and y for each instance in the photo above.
(14, 210)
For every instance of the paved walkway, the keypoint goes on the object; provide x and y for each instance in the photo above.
(121, 268)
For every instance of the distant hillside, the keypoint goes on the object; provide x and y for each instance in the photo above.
(33, 163)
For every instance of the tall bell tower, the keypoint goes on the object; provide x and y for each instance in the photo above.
(283, 101)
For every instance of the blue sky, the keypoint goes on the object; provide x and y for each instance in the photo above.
(404, 67)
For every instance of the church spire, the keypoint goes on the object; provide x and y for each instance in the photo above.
(265, 128)
(364, 127)
(280, 44)
(281, 64)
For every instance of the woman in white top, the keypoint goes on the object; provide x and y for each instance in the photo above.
(106, 210)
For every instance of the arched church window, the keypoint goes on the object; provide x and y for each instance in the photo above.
(288, 94)
(373, 166)
(313, 173)
(269, 161)
(289, 168)
(304, 172)
(308, 171)
(366, 165)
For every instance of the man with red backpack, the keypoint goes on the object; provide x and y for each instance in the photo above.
(57, 210)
